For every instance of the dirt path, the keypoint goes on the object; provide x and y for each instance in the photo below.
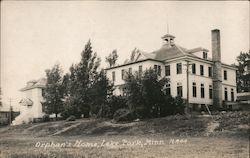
(109, 123)
(66, 129)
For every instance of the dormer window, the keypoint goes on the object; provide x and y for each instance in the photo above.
(204, 55)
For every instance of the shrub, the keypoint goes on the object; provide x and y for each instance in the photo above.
(37, 120)
(124, 115)
(70, 110)
(65, 114)
(117, 102)
(111, 106)
(71, 118)
(105, 112)
(179, 105)
(45, 118)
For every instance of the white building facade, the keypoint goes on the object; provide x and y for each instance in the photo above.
(199, 84)
(31, 102)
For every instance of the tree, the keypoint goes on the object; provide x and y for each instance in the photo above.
(101, 90)
(134, 55)
(71, 103)
(146, 97)
(54, 91)
(133, 91)
(80, 81)
(113, 103)
(112, 58)
(145, 94)
(243, 76)
(153, 93)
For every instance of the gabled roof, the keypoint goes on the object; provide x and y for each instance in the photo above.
(148, 55)
(40, 83)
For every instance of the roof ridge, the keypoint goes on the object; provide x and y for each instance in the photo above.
(184, 53)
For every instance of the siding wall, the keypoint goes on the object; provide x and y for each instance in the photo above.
(36, 96)
(182, 78)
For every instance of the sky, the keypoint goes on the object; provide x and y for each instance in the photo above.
(35, 35)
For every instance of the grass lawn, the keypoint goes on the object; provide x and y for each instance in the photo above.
(156, 138)
(143, 146)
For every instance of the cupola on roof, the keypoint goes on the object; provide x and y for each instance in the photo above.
(167, 36)
(168, 40)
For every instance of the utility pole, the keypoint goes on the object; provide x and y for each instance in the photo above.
(187, 75)
(10, 100)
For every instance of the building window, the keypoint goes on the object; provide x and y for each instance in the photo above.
(43, 92)
(225, 75)
(194, 90)
(209, 71)
(123, 73)
(232, 94)
(167, 70)
(204, 55)
(202, 91)
(193, 69)
(210, 92)
(113, 76)
(157, 69)
(201, 70)
(140, 70)
(225, 94)
(179, 89)
(130, 70)
(178, 68)
(168, 89)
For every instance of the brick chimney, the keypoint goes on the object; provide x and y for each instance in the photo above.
(217, 78)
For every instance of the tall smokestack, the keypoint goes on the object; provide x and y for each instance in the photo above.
(217, 79)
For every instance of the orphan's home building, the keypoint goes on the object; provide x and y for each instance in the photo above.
(208, 81)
